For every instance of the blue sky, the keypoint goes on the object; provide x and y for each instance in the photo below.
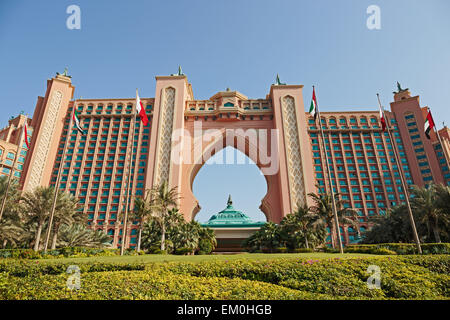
(237, 44)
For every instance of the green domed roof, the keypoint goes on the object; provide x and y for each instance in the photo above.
(231, 218)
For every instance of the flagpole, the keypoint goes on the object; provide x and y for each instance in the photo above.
(125, 220)
(333, 200)
(402, 178)
(58, 179)
(11, 173)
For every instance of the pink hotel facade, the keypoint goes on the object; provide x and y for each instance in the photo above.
(96, 165)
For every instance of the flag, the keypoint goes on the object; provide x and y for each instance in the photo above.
(382, 120)
(76, 121)
(25, 134)
(429, 124)
(313, 107)
(140, 110)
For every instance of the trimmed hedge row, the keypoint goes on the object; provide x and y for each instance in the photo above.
(402, 277)
(24, 268)
(399, 248)
(423, 277)
(145, 285)
(68, 252)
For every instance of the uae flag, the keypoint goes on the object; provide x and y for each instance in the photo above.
(313, 107)
(382, 120)
(140, 110)
(25, 134)
(429, 124)
(76, 121)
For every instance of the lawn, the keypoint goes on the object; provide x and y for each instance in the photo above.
(149, 258)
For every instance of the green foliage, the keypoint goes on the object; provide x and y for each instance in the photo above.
(402, 277)
(430, 208)
(67, 252)
(205, 246)
(179, 234)
(399, 248)
(183, 251)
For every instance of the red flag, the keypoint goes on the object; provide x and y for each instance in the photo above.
(140, 110)
(382, 120)
(25, 134)
(429, 124)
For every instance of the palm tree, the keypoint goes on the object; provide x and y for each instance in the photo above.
(37, 205)
(65, 214)
(207, 234)
(78, 235)
(268, 237)
(425, 202)
(142, 209)
(162, 199)
(12, 200)
(301, 225)
(10, 232)
(323, 209)
(188, 235)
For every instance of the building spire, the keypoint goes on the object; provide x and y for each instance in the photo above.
(278, 82)
(229, 202)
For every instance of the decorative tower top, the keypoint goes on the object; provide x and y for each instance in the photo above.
(229, 202)
(64, 73)
(399, 88)
(278, 82)
(180, 72)
(401, 94)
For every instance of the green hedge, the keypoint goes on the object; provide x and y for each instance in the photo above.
(72, 252)
(402, 277)
(399, 248)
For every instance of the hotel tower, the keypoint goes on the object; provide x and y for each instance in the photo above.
(96, 164)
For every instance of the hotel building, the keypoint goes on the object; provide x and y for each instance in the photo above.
(95, 165)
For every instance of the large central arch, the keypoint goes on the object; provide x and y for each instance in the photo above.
(270, 203)
(174, 127)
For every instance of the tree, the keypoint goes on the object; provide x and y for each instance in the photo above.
(142, 209)
(11, 226)
(163, 198)
(302, 225)
(12, 200)
(37, 206)
(78, 235)
(425, 202)
(188, 236)
(266, 238)
(393, 227)
(65, 214)
(323, 209)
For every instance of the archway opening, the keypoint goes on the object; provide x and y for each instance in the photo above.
(230, 172)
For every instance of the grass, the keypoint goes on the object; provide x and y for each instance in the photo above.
(201, 258)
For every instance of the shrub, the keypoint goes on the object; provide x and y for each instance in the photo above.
(403, 277)
(183, 251)
(399, 248)
(281, 250)
(67, 252)
(205, 246)
(302, 250)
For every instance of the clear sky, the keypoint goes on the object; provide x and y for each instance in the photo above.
(237, 44)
